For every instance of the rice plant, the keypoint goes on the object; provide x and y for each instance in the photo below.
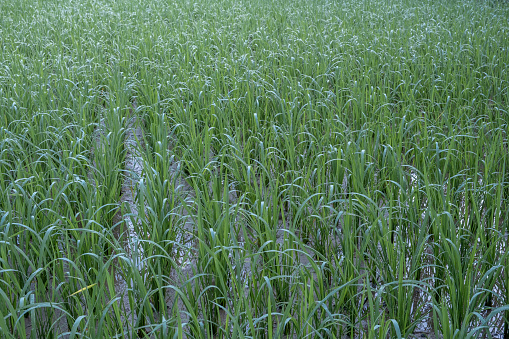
(254, 169)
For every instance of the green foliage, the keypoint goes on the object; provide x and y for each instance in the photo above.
(308, 169)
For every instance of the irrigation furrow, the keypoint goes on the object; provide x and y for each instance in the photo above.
(133, 168)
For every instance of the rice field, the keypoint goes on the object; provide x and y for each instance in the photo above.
(254, 169)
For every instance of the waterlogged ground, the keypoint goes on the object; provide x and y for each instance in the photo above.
(254, 169)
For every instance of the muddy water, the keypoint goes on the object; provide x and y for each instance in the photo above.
(187, 262)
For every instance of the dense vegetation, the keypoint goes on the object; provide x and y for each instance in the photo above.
(306, 169)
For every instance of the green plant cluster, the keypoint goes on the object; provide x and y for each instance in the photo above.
(338, 169)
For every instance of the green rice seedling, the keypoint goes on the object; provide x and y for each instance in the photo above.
(345, 262)
(161, 222)
(109, 156)
(378, 326)
(505, 296)
(465, 294)
(11, 283)
(214, 230)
